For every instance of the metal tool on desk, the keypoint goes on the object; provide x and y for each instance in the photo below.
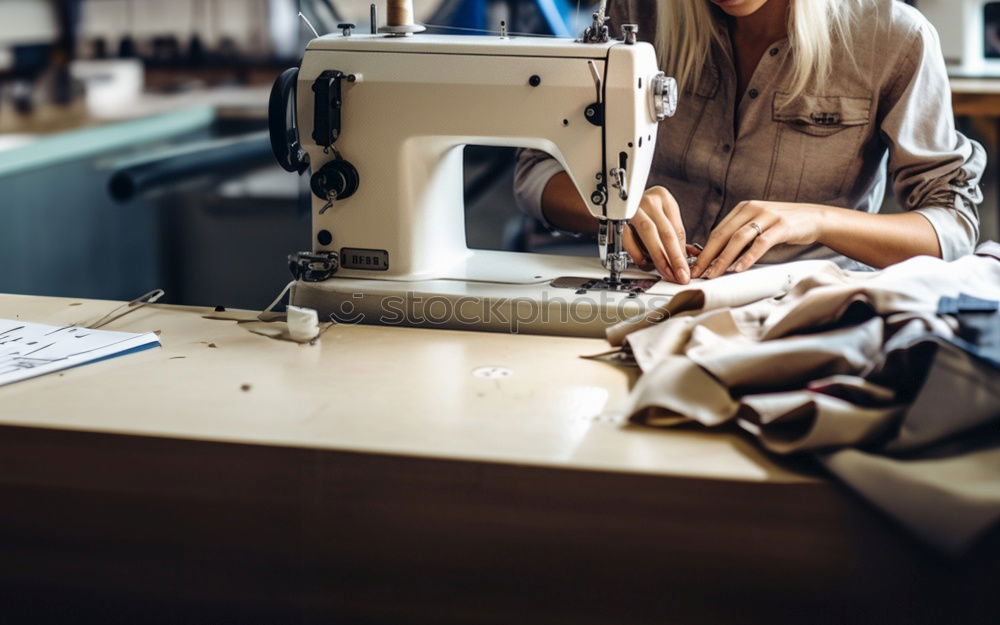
(382, 119)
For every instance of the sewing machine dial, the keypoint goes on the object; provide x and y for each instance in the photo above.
(664, 96)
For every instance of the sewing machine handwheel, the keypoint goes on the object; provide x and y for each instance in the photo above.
(338, 179)
(281, 123)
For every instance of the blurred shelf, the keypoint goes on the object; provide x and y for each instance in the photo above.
(976, 97)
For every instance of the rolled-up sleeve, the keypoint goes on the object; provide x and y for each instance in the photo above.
(935, 169)
(532, 172)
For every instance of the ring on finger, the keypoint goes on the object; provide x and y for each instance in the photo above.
(756, 226)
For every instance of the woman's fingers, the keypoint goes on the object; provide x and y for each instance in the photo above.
(767, 239)
(656, 231)
(676, 244)
(717, 242)
(720, 237)
(753, 228)
(649, 235)
(673, 212)
(742, 238)
(672, 247)
(656, 235)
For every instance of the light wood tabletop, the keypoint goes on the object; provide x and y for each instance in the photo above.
(362, 388)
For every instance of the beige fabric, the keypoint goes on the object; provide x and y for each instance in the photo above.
(740, 362)
(652, 399)
(826, 364)
(807, 420)
(731, 290)
(742, 346)
(891, 112)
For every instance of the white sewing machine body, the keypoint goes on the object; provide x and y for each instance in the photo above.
(407, 107)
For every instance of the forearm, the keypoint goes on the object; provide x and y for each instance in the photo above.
(878, 240)
(563, 207)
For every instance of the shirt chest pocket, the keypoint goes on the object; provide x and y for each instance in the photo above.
(818, 141)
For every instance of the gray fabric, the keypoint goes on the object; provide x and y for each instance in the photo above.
(948, 502)
(858, 368)
(892, 109)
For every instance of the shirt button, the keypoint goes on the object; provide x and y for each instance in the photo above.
(774, 52)
(753, 93)
(726, 148)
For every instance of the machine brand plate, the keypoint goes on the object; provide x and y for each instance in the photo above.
(359, 258)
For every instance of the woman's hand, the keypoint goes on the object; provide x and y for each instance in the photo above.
(655, 236)
(751, 229)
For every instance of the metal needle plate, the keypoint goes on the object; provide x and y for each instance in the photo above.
(632, 286)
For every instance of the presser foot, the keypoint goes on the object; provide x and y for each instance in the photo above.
(609, 245)
(634, 287)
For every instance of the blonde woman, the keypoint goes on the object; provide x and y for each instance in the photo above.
(793, 115)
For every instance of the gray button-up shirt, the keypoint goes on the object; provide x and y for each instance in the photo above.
(886, 111)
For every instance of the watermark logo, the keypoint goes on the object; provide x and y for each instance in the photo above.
(513, 314)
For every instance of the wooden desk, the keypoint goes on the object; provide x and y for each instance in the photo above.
(226, 477)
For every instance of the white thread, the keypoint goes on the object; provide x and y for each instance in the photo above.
(486, 31)
(268, 314)
(309, 24)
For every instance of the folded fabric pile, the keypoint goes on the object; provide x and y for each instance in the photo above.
(891, 378)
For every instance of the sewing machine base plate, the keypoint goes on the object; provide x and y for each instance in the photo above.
(537, 308)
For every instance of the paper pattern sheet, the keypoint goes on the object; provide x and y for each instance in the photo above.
(32, 349)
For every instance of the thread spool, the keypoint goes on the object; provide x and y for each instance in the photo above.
(303, 323)
(399, 12)
(399, 18)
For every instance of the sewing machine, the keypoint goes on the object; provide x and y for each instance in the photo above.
(381, 120)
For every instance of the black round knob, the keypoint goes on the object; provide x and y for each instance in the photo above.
(535, 80)
(337, 180)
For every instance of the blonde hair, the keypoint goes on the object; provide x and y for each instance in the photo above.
(686, 29)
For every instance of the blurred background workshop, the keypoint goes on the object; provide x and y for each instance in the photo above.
(142, 126)
(237, 473)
